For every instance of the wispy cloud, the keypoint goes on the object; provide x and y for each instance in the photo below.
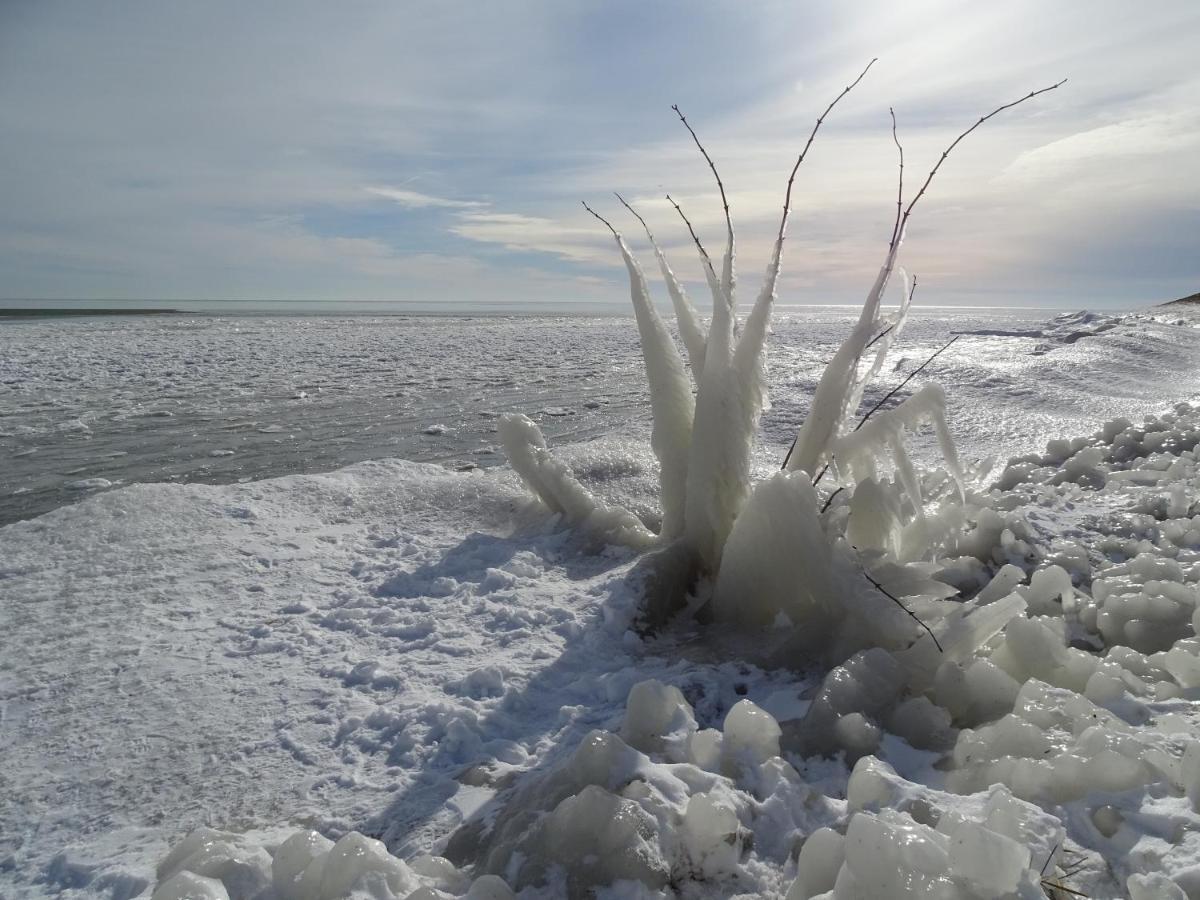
(416, 200)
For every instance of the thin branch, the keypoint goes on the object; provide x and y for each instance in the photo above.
(879, 587)
(879, 337)
(900, 189)
(703, 253)
(946, 152)
(1046, 864)
(829, 499)
(892, 393)
(601, 218)
(788, 455)
(635, 212)
(787, 198)
(711, 165)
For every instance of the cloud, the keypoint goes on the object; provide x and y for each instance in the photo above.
(415, 200)
(281, 169)
(518, 232)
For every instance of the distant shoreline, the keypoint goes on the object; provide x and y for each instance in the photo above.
(50, 313)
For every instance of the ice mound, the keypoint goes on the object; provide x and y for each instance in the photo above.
(212, 865)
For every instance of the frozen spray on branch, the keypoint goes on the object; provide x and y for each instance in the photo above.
(704, 441)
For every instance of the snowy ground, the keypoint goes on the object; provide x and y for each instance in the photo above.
(387, 648)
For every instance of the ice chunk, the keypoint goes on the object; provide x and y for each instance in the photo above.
(190, 886)
(490, 887)
(751, 736)
(890, 855)
(1001, 585)
(654, 713)
(355, 857)
(291, 860)
(872, 785)
(598, 838)
(869, 683)
(817, 867)
(992, 862)
(710, 836)
(1190, 773)
(704, 749)
(1153, 886)
(243, 869)
(923, 724)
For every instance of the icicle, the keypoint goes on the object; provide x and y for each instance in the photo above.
(828, 409)
(937, 416)
(557, 487)
(691, 329)
(749, 354)
(671, 401)
(884, 345)
(905, 471)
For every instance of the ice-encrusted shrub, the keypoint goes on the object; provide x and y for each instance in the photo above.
(770, 550)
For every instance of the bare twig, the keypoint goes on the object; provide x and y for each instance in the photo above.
(892, 393)
(900, 189)
(711, 165)
(829, 499)
(601, 218)
(1059, 886)
(957, 140)
(879, 337)
(787, 198)
(699, 246)
(879, 587)
(1049, 857)
(635, 212)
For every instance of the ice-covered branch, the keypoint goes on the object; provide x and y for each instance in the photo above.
(558, 489)
(830, 402)
(858, 451)
(693, 331)
(900, 184)
(671, 402)
(727, 266)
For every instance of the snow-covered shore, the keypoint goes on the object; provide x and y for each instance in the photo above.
(397, 649)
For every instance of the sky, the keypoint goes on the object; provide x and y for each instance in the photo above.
(437, 153)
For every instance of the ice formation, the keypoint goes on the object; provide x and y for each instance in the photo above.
(1008, 715)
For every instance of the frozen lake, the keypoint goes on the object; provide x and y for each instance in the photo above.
(90, 403)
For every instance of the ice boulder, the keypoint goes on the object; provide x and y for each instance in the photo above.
(190, 886)
(751, 737)
(817, 867)
(297, 864)
(711, 836)
(598, 838)
(657, 717)
(243, 869)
